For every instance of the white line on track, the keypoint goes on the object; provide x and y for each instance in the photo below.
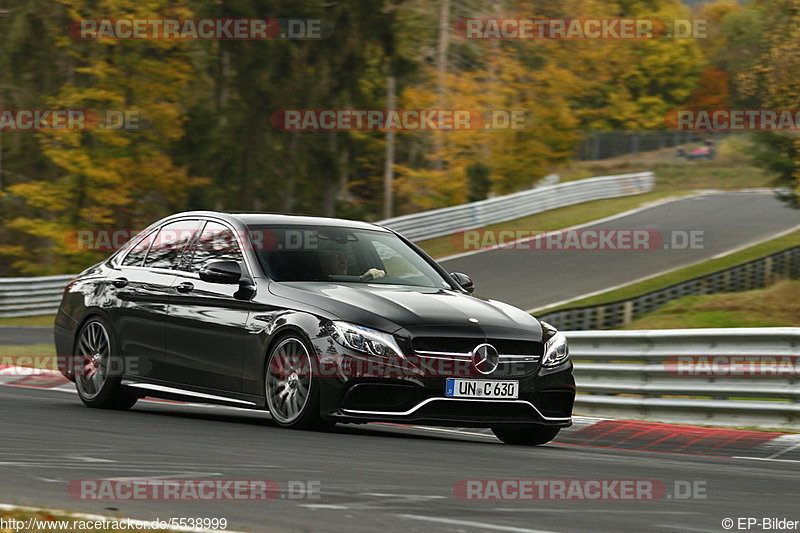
(787, 449)
(160, 477)
(86, 459)
(404, 496)
(766, 459)
(470, 523)
(324, 506)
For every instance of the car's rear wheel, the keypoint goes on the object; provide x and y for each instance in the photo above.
(97, 373)
(527, 435)
(291, 390)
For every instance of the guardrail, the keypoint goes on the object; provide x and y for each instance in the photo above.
(753, 274)
(447, 220)
(724, 376)
(41, 295)
(31, 296)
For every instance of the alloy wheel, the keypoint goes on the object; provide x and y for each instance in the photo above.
(288, 380)
(93, 358)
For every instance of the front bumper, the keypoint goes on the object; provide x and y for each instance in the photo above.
(546, 397)
(459, 412)
(64, 336)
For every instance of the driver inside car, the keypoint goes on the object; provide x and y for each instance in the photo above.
(334, 263)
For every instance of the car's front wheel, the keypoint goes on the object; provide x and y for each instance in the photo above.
(291, 390)
(527, 435)
(97, 376)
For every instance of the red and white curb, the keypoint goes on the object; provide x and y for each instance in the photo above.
(629, 435)
(32, 377)
(674, 438)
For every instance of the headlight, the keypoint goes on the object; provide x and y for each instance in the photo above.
(364, 340)
(556, 350)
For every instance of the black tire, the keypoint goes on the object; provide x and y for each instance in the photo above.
(97, 369)
(292, 392)
(527, 435)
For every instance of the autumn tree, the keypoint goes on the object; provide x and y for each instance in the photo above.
(109, 178)
(774, 83)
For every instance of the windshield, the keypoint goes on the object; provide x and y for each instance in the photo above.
(317, 253)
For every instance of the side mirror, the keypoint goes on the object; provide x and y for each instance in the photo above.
(228, 272)
(464, 281)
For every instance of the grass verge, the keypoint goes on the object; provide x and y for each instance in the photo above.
(776, 305)
(32, 355)
(43, 320)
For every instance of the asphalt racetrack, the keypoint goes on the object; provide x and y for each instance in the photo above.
(370, 478)
(395, 478)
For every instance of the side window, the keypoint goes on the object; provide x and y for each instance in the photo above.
(138, 250)
(169, 242)
(394, 262)
(215, 243)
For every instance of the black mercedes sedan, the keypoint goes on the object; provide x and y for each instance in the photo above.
(316, 320)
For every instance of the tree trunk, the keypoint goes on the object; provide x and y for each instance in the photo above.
(388, 169)
(441, 69)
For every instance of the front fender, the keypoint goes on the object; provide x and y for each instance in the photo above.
(263, 328)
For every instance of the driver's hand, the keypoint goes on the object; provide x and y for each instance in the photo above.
(373, 273)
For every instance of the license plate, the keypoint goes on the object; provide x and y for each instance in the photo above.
(481, 388)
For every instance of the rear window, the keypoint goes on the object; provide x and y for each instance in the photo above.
(135, 251)
(169, 243)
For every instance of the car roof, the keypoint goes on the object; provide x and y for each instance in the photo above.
(279, 219)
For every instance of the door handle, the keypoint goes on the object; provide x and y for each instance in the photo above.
(120, 282)
(184, 287)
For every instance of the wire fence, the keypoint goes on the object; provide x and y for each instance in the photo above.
(606, 144)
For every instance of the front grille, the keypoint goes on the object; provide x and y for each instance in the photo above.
(464, 345)
(518, 358)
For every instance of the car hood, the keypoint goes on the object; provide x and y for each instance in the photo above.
(391, 307)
